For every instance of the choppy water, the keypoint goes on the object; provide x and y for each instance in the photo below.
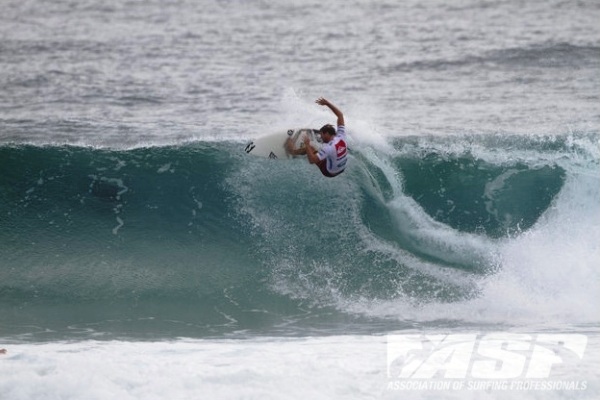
(129, 211)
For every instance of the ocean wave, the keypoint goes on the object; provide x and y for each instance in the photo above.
(546, 55)
(205, 234)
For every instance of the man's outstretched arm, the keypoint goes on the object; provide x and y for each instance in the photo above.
(324, 102)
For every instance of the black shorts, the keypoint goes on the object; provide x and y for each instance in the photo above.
(323, 167)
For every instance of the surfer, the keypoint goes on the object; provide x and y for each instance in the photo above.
(331, 158)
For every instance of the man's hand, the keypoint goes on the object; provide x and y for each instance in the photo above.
(289, 146)
(310, 152)
(306, 141)
(322, 101)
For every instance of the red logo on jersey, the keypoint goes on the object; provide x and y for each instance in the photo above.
(340, 148)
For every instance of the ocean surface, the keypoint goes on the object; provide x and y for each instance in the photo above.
(145, 255)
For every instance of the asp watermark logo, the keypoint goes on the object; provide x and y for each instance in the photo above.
(506, 361)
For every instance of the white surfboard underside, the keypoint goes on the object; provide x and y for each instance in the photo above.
(273, 145)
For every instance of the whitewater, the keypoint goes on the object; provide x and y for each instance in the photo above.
(145, 255)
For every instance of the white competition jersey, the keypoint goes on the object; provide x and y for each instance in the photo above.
(335, 152)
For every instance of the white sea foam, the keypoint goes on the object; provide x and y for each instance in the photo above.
(333, 367)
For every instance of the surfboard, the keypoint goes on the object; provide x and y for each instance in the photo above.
(273, 145)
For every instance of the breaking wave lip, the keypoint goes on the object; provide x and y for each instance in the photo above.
(546, 272)
(421, 232)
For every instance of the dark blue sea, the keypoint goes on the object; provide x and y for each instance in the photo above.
(145, 255)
